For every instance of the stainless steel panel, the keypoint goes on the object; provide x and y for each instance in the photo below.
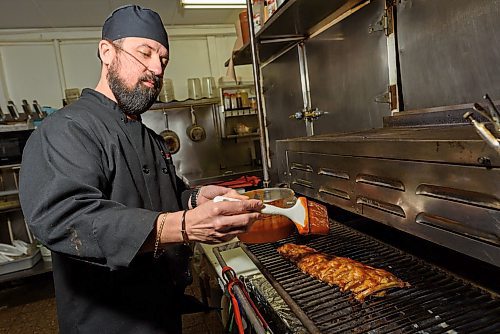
(425, 181)
(458, 144)
(448, 115)
(347, 71)
(211, 160)
(282, 97)
(449, 51)
(193, 157)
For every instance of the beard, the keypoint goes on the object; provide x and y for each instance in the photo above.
(135, 100)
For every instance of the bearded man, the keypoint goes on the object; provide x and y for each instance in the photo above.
(98, 188)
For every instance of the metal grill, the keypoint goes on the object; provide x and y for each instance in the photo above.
(437, 301)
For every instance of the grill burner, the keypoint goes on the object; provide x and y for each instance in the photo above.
(437, 302)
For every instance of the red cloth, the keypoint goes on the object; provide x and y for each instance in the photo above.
(241, 182)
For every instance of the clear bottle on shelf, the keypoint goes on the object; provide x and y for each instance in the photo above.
(271, 8)
(258, 14)
(234, 103)
(227, 101)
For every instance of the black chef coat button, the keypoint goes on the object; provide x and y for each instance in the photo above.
(145, 170)
(164, 170)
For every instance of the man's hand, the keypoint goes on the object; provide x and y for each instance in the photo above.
(218, 222)
(208, 193)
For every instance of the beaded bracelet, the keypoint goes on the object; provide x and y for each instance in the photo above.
(158, 236)
(185, 237)
(194, 197)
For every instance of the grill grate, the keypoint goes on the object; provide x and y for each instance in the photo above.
(437, 301)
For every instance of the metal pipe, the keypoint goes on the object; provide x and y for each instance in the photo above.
(306, 91)
(240, 296)
(258, 90)
(484, 133)
(60, 67)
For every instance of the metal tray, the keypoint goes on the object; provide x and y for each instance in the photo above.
(23, 263)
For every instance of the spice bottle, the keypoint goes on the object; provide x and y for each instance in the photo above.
(238, 99)
(234, 103)
(253, 103)
(244, 99)
(271, 8)
(227, 101)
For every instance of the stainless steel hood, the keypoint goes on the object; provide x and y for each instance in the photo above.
(441, 183)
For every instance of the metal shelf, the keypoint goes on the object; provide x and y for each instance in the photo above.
(12, 209)
(241, 85)
(228, 113)
(16, 126)
(253, 134)
(294, 21)
(9, 192)
(9, 206)
(162, 106)
(11, 166)
(40, 267)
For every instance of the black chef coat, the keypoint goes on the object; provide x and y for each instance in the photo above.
(92, 184)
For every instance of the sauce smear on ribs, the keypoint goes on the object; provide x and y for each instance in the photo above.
(360, 279)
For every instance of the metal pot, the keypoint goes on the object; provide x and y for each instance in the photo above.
(171, 138)
(195, 132)
(270, 228)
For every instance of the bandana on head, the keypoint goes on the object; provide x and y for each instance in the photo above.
(134, 21)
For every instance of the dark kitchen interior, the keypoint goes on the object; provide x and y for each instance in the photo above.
(385, 112)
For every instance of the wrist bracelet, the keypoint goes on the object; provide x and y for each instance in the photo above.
(185, 237)
(194, 197)
(158, 236)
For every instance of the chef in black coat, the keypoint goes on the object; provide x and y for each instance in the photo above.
(98, 188)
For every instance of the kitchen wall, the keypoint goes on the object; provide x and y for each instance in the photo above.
(41, 63)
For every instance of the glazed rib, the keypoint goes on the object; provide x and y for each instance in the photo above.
(348, 274)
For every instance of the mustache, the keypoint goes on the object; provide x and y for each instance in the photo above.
(157, 80)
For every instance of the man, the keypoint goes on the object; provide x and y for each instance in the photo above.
(98, 188)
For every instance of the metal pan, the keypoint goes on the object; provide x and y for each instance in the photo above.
(195, 132)
(171, 138)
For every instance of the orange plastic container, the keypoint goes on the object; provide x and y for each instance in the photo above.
(270, 228)
(245, 30)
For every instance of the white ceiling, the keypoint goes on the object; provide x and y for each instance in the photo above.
(20, 14)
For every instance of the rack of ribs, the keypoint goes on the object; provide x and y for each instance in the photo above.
(347, 274)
